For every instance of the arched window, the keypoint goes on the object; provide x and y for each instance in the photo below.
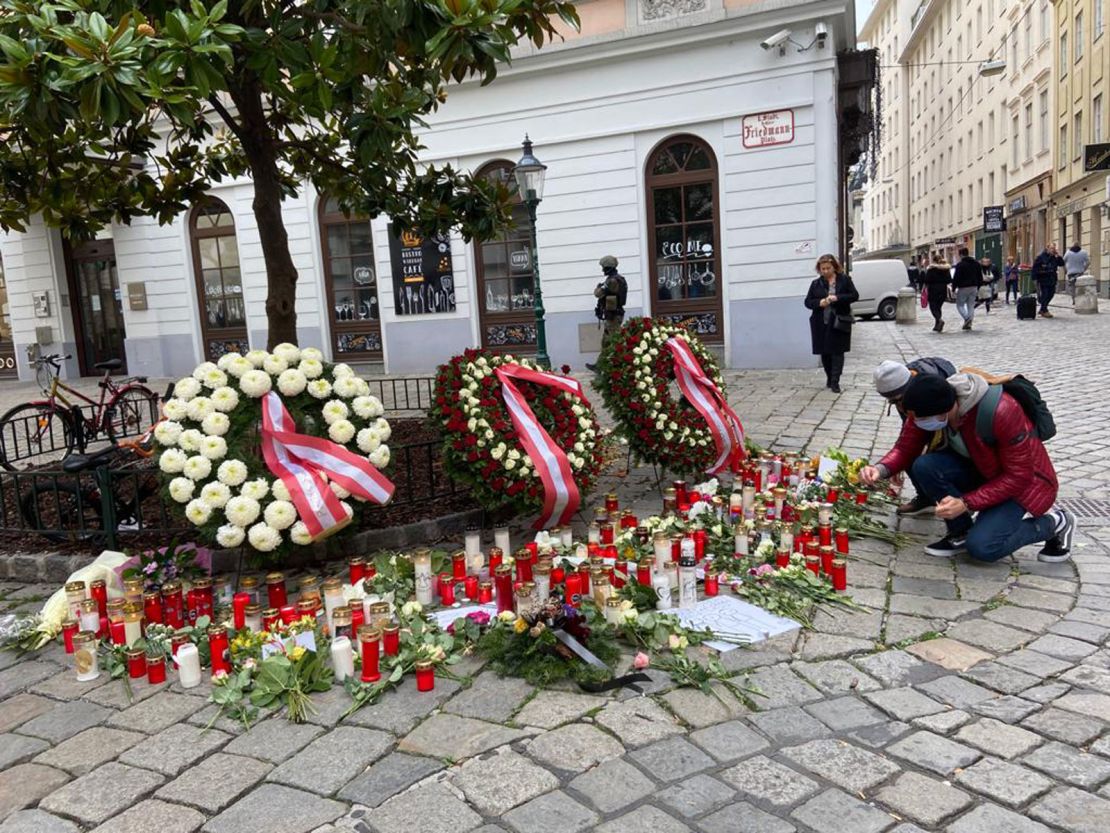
(684, 235)
(223, 319)
(506, 280)
(351, 278)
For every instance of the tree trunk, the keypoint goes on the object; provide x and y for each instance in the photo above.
(257, 141)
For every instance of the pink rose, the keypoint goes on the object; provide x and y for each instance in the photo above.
(641, 661)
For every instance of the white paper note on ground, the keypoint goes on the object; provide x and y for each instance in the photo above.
(826, 468)
(449, 615)
(729, 615)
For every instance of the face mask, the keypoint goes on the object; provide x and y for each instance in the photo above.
(931, 423)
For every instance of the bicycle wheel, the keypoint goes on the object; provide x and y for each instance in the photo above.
(34, 433)
(130, 412)
(61, 511)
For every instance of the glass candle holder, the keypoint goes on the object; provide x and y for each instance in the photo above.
(458, 566)
(254, 618)
(218, 646)
(206, 601)
(661, 547)
(470, 587)
(740, 541)
(782, 557)
(271, 618)
(132, 623)
(593, 533)
(523, 563)
(75, 594)
(249, 585)
(425, 676)
(662, 587)
(813, 564)
(85, 661)
(446, 590)
(187, 660)
(379, 615)
(842, 540)
(541, 576)
(485, 592)
(155, 669)
(827, 556)
(342, 658)
(472, 540)
(501, 538)
(173, 605)
(70, 628)
(824, 513)
(133, 590)
(824, 535)
(670, 500)
(98, 591)
(152, 607)
(391, 639)
(90, 616)
(136, 663)
(288, 614)
(566, 536)
(644, 570)
(356, 569)
(712, 583)
(239, 604)
(503, 581)
(223, 592)
(840, 574)
(333, 598)
(601, 588)
(276, 594)
(370, 639)
(422, 575)
(496, 556)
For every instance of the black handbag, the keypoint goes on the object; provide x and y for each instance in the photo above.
(842, 323)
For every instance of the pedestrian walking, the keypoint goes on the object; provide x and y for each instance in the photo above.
(1045, 274)
(938, 278)
(1076, 263)
(966, 280)
(830, 300)
(611, 294)
(991, 276)
(1012, 276)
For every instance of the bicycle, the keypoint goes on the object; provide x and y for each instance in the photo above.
(58, 424)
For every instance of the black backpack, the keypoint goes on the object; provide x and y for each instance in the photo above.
(1031, 401)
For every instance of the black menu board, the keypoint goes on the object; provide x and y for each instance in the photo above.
(422, 278)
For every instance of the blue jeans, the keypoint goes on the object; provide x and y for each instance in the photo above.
(965, 301)
(996, 532)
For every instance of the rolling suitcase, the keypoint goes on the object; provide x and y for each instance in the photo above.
(1027, 300)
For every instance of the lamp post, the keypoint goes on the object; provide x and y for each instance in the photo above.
(529, 173)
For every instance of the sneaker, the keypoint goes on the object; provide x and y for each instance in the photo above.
(918, 506)
(947, 546)
(940, 327)
(1058, 547)
(967, 324)
(1046, 314)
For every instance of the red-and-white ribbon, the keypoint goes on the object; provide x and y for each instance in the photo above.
(299, 460)
(703, 394)
(561, 497)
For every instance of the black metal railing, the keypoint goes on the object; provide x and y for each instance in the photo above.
(404, 396)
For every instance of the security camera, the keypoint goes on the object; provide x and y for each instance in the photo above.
(821, 33)
(778, 39)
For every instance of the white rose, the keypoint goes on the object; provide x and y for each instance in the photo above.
(342, 370)
(215, 494)
(345, 387)
(298, 534)
(311, 368)
(264, 538)
(197, 467)
(312, 354)
(498, 452)
(291, 353)
(510, 464)
(167, 432)
(280, 514)
(215, 424)
(186, 388)
(174, 409)
(242, 511)
(172, 460)
(341, 431)
(383, 429)
(232, 472)
(368, 440)
(225, 399)
(256, 357)
(279, 490)
(291, 382)
(256, 489)
(333, 411)
(238, 366)
(514, 454)
(274, 365)
(198, 512)
(181, 489)
(380, 457)
(214, 448)
(230, 536)
(256, 383)
(319, 388)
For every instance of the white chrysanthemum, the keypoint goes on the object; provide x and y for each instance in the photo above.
(256, 357)
(181, 489)
(275, 365)
(230, 536)
(312, 354)
(172, 460)
(341, 431)
(215, 424)
(291, 353)
(319, 388)
(198, 512)
(203, 369)
(333, 411)
(380, 457)
(298, 534)
(190, 439)
(167, 432)
(368, 407)
(311, 368)
(174, 409)
(280, 514)
(225, 399)
(197, 467)
(362, 388)
(345, 387)
(199, 407)
(342, 370)
(339, 491)
(368, 440)
(257, 489)
(347, 508)
(256, 383)
(186, 388)
(264, 538)
(213, 448)
(242, 510)
(383, 429)
(238, 366)
(215, 494)
(279, 490)
(291, 382)
(232, 472)
(214, 378)
(223, 361)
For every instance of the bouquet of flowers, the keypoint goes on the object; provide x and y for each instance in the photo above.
(175, 562)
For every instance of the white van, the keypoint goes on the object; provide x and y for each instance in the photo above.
(878, 282)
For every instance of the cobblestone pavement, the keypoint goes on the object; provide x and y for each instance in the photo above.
(963, 698)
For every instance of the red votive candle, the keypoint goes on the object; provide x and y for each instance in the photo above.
(102, 632)
(813, 564)
(680, 495)
(523, 566)
(701, 537)
(782, 558)
(118, 632)
(712, 584)
(629, 520)
(619, 574)
(173, 605)
(275, 591)
(470, 585)
(371, 639)
(558, 575)
(573, 590)
(425, 676)
(503, 581)
(861, 497)
(833, 495)
(458, 566)
(485, 592)
(192, 603)
(358, 617)
(496, 556)
(643, 572)
(239, 604)
(584, 578)
(442, 579)
(446, 590)
(391, 639)
(288, 614)
(826, 560)
(69, 630)
(356, 570)
(840, 574)
(136, 663)
(176, 641)
(842, 540)
(607, 534)
(156, 670)
(824, 535)
(612, 504)
(218, 645)
(271, 617)
(152, 608)
(533, 551)
(98, 590)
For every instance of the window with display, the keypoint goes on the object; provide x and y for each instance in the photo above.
(223, 314)
(351, 278)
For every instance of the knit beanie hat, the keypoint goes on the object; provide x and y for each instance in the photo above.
(891, 378)
(929, 395)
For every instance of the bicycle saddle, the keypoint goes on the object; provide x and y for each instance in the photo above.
(75, 463)
(110, 364)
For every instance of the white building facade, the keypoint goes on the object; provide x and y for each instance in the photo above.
(710, 167)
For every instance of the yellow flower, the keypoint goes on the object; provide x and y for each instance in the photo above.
(297, 653)
(520, 626)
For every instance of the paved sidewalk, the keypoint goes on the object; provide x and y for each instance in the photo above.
(871, 724)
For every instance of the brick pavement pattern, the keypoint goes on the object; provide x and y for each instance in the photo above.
(962, 697)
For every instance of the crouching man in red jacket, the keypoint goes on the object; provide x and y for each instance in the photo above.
(1010, 484)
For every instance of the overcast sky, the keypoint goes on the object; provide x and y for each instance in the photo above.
(863, 9)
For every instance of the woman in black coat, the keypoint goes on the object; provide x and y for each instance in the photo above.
(830, 298)
(937, 280)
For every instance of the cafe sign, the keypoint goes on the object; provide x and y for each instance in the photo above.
(775, 127)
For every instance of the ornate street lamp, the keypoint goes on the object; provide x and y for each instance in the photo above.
(529, 173)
